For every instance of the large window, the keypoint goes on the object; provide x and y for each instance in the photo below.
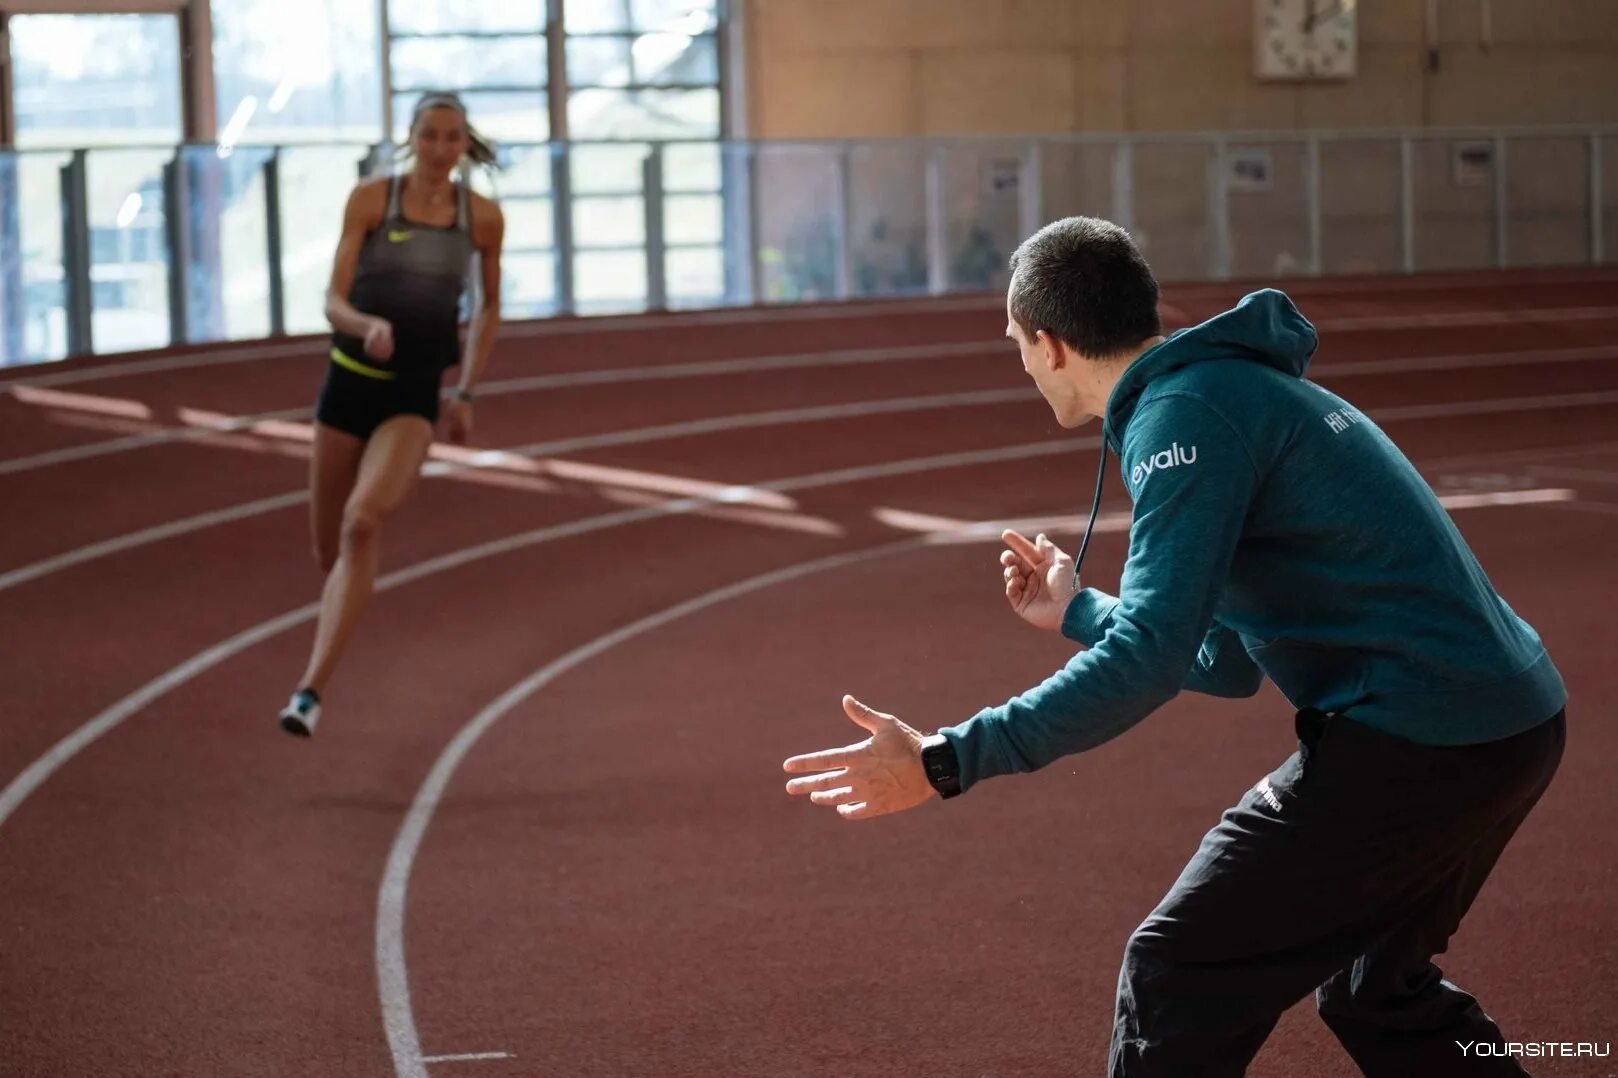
(493, 54)
(96, 80)
(628, 212)
(642, 69)
(290, 71)
(102, 83)
(645, 70)
(305, 75)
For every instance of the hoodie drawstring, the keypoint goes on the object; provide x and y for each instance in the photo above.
(1095, 507)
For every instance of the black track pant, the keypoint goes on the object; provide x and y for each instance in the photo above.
(1343, 872)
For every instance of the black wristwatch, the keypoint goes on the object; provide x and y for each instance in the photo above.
(943, 768)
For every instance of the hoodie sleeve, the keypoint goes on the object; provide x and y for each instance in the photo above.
(1222, 666)
(1193, 480)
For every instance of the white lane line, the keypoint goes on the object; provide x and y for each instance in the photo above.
(202, 425)
(109, 446)
(1355, 368)
(708, 426)
(747, 365)
(1494, 407)
(1517, 456)
(312, 345)
(1199, 291)
(393, 978)
(467, 1057)
(82, 402)
(31, 777)
(1507, 497)
(1586, 475)
(1489, 281)
(1497, 316)
(206, 426)
(118, 544)
(816, 413)
(125, 368)
(940, 530)
(727, 494)
(1591, 507)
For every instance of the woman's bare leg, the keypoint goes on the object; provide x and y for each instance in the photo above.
(387, 472)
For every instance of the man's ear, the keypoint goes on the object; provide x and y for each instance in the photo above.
(1050, 350)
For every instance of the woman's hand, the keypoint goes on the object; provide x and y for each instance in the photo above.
(379, 339)
(460, 420)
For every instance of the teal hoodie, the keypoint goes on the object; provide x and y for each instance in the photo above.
(1277, 533)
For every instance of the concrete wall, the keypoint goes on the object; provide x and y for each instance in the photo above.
(862, 68)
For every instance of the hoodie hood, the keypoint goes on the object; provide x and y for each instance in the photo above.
(1265, 327)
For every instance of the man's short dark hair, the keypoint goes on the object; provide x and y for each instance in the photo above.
(1083, 280)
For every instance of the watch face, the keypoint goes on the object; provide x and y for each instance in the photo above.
(1303, 39)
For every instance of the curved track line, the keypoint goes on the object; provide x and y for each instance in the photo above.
(109, 446)
(311, 344)
(438, 468)
(129, 443)
(118, 544)
(392, 975)
(392, 971)
(35, 774)
(789, 361)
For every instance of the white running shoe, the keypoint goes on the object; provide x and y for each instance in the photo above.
(298, 718)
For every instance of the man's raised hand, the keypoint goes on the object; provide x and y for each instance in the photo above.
(1039, 579)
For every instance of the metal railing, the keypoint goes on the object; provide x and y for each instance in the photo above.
(131, 248)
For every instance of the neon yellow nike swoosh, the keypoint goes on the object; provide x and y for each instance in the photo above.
(399, 237)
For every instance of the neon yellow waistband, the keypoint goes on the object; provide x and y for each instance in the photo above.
(347, 362)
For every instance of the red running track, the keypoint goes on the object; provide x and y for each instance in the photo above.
(542, 832)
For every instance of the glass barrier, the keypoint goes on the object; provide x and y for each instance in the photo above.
(528, 287)
(1077, 179)
(798, 209)
(1361, 224)
(887, 219)
(1548, 192)
(701, 223)
(129, 260)
(1606, 229)
(1266, 190)
(694, 240)
(984, 186)
(315, 183)
(35, 281)
(13, 347)
(1172, 213)
(1454, 197)
(227, 241)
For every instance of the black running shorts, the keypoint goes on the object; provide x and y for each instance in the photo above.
(358, 403)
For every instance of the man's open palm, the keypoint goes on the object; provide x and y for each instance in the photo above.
(879, 775)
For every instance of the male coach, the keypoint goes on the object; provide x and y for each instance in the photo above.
(1277, 533)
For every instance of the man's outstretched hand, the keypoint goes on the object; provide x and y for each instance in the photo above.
(879, 775)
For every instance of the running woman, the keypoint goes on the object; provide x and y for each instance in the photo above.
(394, 306)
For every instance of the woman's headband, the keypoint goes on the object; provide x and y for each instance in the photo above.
(440, 101)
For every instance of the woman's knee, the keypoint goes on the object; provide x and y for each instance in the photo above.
(362, 524)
